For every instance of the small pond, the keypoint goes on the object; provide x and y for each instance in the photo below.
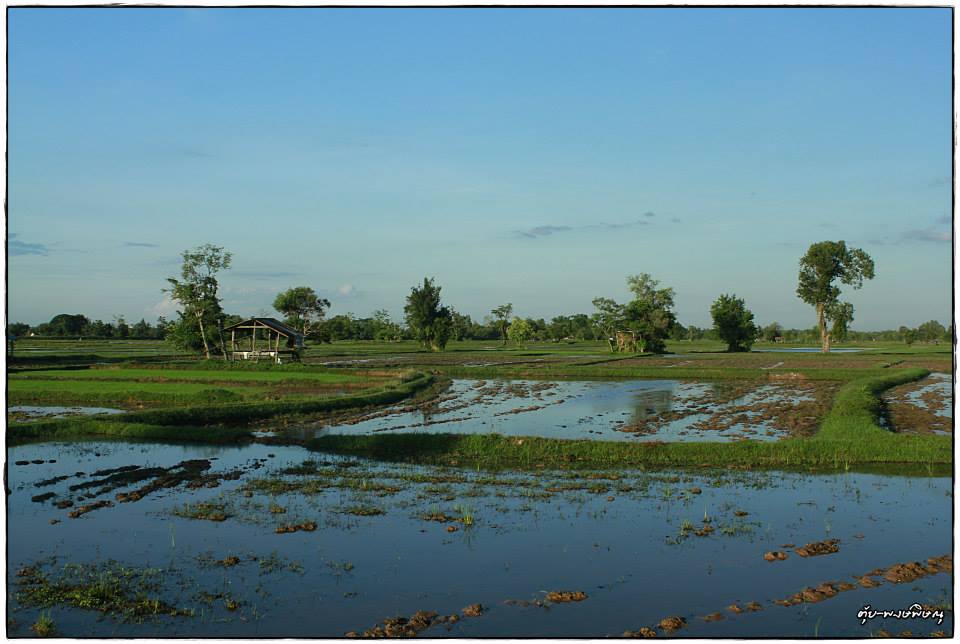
(272, 541)
(637, 410)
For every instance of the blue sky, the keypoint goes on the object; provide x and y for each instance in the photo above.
(529, 156)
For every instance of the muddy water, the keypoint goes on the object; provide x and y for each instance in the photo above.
(940, 385)
(628, 541)
(31, 412)
(597, 410)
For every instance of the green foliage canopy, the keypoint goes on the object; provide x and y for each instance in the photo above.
(733, 322)
(429, 321)
(302, 308)
(824, 264)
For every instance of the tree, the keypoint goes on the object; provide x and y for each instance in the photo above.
(66, 324)
(608, 317)
(840, 315)
(385, 329)
(650, 314)
(772, 331)
(519, 331)
(18, 329)
(502, 315)
(197, 292)
(824, 263)
(302, 308)
(460, 325)
(733, 322)
(931, 331)
(428, 320)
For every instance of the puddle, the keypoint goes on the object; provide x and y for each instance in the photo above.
(28, 412)
(640, 410)
(454, 553)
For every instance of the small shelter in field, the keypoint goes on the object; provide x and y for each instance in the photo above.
(269, 338)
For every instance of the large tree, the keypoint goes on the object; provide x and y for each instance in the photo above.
(824, 264)
(650, 313)
(502, 315)
(197, 292)
(302, 308)
(429, 321)
(733, 322)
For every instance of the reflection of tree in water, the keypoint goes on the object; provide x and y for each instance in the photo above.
(650, 403)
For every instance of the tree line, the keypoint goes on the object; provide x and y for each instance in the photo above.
(648, 316)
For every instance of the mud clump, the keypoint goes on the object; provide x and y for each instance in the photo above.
(642, 632)
(401, 626)
(64, 504)
(307, 526)
(713, 617)
(473, 610)
(905, 572)
(90, 507)
(775, 555)
(562, 596)
(229, 562)
(819, 548)
(672, 623)
(40, 498)
(867, 582)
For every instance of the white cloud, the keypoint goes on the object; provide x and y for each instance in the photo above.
(165, 307)
(345, 289)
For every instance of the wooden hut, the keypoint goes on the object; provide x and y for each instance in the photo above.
(268, 338)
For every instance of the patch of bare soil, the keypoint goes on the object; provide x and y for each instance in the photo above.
(561, 596)
(900, 573)
(307, 526)
(792, 407)
(818, 548)
(416, 623)
(909, 417)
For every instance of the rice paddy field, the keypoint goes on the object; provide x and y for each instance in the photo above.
(557, 490)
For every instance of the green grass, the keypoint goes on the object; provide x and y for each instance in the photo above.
(69, 391)
(188, 384)
(81, 428)
(195, 423)
(184, 375)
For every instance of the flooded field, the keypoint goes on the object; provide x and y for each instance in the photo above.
(121, 539)
(924, 406)
(639, 410)
(32, 412)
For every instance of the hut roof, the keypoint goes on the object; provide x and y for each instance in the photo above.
(271, 323)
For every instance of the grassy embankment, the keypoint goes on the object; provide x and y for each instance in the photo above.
(214, 423)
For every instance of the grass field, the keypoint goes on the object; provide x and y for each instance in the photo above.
(177, 396)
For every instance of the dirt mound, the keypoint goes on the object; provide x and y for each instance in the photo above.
(561, 596)
(818, 548)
